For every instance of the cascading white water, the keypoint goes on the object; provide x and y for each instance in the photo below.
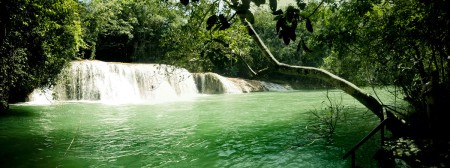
(273, 87)
(136, 83)
(211, 83)
(121, 82)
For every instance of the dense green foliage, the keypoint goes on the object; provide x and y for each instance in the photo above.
(37, 38)
(402, 43)
(127, 30)
(159, 32)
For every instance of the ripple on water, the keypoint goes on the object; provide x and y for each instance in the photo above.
(255, 130)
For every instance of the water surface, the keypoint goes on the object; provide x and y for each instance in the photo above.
(237, 130)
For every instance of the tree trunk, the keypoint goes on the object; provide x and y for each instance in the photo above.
(367, 100)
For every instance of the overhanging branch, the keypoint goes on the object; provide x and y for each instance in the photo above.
(367, 100)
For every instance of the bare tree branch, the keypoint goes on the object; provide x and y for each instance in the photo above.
(364, 98)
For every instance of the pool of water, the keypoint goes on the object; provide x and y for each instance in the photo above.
(237, 130)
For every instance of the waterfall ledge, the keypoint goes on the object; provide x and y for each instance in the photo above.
(136, 83)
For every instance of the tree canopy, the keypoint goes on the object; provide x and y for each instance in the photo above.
(37, 38)
(402, 43)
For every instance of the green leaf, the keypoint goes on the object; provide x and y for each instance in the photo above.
(202, 54)
(305, 48)
(309, 25)
(224, 22)
(281, 34)
(249, 16)
(221, 42)
(286, 38)
(294, 24)
(245, 4)
(278, 12)
(212, 20)
(273, 5)
(184, 2)
(292, 35)
(276, 17)
(259, 2)
(280, 23)
(292, 13)
(301, 5)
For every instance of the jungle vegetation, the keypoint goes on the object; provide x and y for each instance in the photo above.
(402, 43)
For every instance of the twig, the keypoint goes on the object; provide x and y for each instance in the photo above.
(73, 139)
(311, 142)
(316, 9)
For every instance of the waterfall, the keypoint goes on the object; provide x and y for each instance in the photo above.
(275, 87)
(121, 82)
(211, 83)
(136, 83)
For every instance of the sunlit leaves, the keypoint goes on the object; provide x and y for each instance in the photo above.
(286, 21)
(38, 38)
(221, 42)
(305, 48)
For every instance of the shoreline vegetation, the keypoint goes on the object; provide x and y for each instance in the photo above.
(401, 43)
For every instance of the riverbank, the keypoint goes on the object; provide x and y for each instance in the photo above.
(408, 152)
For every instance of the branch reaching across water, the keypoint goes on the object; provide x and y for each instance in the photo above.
(364, 98)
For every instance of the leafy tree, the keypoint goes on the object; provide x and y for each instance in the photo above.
(128, 30)
(153, 20)
(107, 29)
(401, 43)
(38, 38)
(287, 23)
(198, 49)
(162, 32)
(292, 53)
(384, 42)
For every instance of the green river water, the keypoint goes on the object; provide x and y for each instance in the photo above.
(267, 129)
